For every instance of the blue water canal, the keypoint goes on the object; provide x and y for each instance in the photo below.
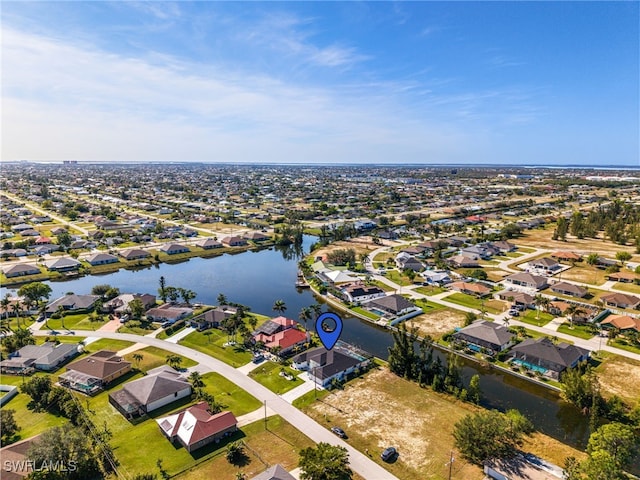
(258, 279)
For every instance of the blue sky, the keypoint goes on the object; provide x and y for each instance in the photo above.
(347, 82)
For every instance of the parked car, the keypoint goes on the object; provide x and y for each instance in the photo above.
(166, 324)
(338, 431)
(388, 453)
(514, 313)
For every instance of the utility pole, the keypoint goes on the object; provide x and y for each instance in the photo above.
(265, 415)
(450, 463)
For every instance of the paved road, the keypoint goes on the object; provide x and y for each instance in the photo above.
(360, 463)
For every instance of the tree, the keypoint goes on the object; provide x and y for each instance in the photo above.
(196, 380)
(100, 289)
(9, 426)
(574, 310)
(279, 306)
(562, 226)
(324, 462)
(187, 295)
(172, 294)
(174, 360)
(623, 257)
(592, 258)
(490, 435)
(474, 391)
(305, 316)
(20, 338)
(137, 357)
(235, 453)
(469, 318)
(136, 307)
(5, 302)
(162, 290)
(579, 388)
(617, 440)
(69, 446)
(222, 299)
(540, 302)
(35, 291)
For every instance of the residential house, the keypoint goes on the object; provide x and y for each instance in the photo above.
(503, 246)
(436, 277)
(72, 303)
(211, 318)
(519, 299)
(621, 322)
(120, 304)
(477, 251)
(283, 341)
(47, 357)
(526, 280)
(101, 259)
(566, 256)
(414, 250)
(275, 325)
(394, 305)
(196, 426)
(174, 248)
(134, 254)
(90, 374)
(484, 335)
(168, 313)
(158, 388)
(63, 264)
(324, 365)
(620, 300)
(546, 357)
(19, 270)
(256, 237)
(275, 472)
(45, 249)
(566, 288)
(624, 277)
(603, 262)
(43, 241)
(544, 266)
(475, 289)
(208, 243)
(405, 261)
(359, 292)
(463, 261)
(234, 241)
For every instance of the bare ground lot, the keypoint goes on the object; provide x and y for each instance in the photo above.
(620, 376)
(541, 238)
(437, 323)
(417, 421)
(360, 245)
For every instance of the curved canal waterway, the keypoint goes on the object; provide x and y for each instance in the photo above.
(258, 279)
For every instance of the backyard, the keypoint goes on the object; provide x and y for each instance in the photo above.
(490, 305)
(268, 374)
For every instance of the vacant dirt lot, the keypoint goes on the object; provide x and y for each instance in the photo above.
(417, 422)
(437, 323)
(360, 245)
(620, 376)
(542, 239)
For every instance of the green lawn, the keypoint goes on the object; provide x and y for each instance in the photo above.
(107, 344)
(531, 317)
(472, 302)
(366, 313)
(212, 343)
(399, 278)
(623, 345)
(153, 357)
(429, 307)
(228, 393)
(430, 290)
(580, 331)
(268, 374)
(78, 321)
(627, 287)
(383, 286)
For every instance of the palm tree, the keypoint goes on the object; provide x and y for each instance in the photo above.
(174, 360)
(279, 306)
(17, 310)
(540, 301)
(196, 380)
(573, 311)
(592, 258)
(137, 357)
(222, 299)
(305, 315)
(316, 308)
(5, 302)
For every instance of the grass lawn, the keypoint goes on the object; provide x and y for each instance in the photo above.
(585, 273)
(20, 322)
(107, 344)
(212, 343)
(229, 394)
(623, 345)
(490, 305)
(383, 286)
(79, 320)
(531, 317)
(153, 357)
(579, 331)
(627, 287)
(430, 290)
(366, 313)
(60, 338)
(399, 278)
(31, 423)
(279, 443)
(268, 374)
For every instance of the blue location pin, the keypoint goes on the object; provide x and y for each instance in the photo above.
(329, 328)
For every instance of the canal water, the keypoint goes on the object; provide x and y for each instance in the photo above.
(259, 278)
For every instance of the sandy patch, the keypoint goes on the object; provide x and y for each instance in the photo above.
(360, 245)
(437, 323)
(542, 239)
(620, 376)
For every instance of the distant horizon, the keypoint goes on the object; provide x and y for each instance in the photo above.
(438, 82)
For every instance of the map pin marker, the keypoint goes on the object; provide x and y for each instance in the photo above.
(329, 328)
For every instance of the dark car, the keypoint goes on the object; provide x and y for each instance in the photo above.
(388, 453)
(338, 431)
